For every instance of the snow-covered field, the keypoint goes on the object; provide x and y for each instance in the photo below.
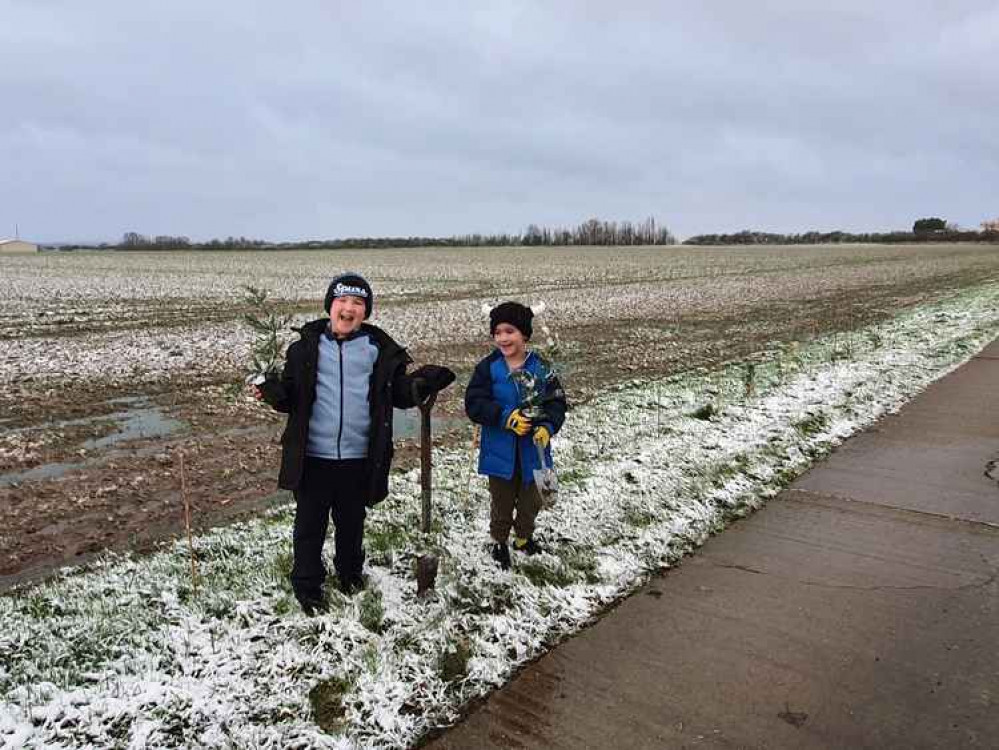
(129, 653)
(47, 284)
(88, 316)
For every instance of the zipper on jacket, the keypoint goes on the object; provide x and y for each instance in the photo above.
(339, 435)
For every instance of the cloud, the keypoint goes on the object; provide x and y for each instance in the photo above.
(318, 119)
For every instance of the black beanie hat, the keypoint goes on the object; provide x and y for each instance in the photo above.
(353, 285)
(514, 313)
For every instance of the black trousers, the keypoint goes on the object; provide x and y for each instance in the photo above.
(328, 489)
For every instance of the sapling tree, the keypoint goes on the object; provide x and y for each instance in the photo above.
(268, 324)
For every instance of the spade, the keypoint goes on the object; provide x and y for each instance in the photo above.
(426, 565)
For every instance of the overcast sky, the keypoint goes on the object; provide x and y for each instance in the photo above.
(318, 119)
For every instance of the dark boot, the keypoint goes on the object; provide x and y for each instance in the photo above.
(312, 605)
(501, 554)
(527, 546)
(350, 585)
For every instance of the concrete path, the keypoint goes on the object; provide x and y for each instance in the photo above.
(860, 609)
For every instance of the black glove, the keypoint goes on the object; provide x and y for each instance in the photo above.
(272, 389)
(435, 378)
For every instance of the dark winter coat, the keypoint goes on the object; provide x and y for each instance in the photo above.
(490, 398)
(295, 392)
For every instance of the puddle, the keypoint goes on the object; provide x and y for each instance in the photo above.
(406, 424)
(45, 471)
(139, 420)
(142, 421)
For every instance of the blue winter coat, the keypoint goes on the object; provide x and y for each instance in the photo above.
(489, 400)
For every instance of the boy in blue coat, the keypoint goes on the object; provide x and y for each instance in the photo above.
(508, 455)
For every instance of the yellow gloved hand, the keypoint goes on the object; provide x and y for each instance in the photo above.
(542, 437)
(518, 423)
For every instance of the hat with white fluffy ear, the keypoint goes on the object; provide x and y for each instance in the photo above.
(513, 313)
(537, 308)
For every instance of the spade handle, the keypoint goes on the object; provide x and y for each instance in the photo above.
(426, 445)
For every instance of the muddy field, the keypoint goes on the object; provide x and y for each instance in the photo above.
(113, 366)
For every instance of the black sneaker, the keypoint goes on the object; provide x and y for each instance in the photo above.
(530, 547)
(350, 585)
(312, 605)
(501, 554)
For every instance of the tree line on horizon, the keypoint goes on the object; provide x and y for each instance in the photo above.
(590, 232)
(929, 229)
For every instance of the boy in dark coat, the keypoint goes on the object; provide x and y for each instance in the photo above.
(507, 454)
(340, 383)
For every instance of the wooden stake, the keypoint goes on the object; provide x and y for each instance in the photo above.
(750, 379)
(187, 523)
(476, 432)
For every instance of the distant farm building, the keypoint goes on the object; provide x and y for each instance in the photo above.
(17, 246)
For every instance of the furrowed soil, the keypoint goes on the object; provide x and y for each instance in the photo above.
(91, 463)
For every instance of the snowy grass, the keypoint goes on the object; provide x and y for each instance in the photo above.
(128, 654)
